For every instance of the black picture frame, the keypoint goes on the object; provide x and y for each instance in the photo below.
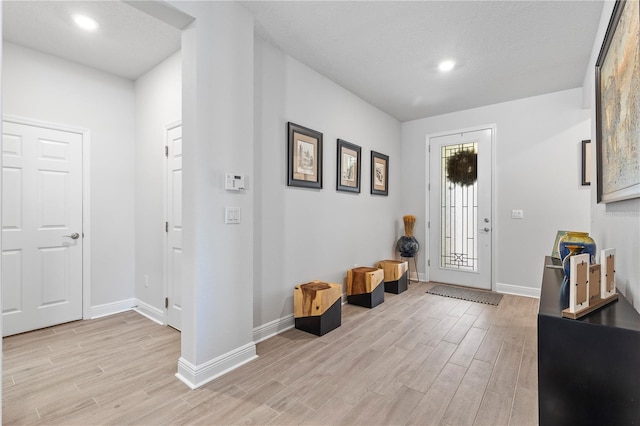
(616, 85)
(349, 166)
(379, 173)
(586, 163)
(304, 157)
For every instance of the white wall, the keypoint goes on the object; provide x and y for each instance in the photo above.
(1, 112)
(158, 104)
(50, 89)
(305, 234)
(615, 225)
(217, 116)
(537, 169)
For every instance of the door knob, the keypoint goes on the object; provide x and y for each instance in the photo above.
(486, 220)
(73, 236)
(486, 230)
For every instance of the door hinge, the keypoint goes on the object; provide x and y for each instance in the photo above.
(429, 224)
(428, 187)
(166, 302)
(428, 262)
(166, 227)
(166, 151)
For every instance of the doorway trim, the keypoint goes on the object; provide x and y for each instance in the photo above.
(427, 197)
(86, 202)
(165, 245)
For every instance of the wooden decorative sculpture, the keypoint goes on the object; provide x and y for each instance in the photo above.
(317, 307)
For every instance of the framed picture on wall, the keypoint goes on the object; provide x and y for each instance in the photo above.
(304, 152)
(586, 163)
(617, 106)
(379, 173)
(348, 167)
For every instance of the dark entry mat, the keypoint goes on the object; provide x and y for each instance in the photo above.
(472, 295)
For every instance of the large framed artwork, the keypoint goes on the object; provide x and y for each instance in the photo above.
(304, 157)
(379, 173)
(348, 167)
(618, 106)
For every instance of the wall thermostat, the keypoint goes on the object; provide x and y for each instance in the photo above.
(233, 182)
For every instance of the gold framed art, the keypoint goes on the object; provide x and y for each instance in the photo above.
(617, 106)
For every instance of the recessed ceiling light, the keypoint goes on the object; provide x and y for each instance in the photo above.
(85, 22)
(445, 66)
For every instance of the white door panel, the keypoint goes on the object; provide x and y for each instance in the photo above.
(42, 209)
(461, 215)
(174, 233)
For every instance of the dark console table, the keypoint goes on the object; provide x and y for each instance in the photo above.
(589, 368)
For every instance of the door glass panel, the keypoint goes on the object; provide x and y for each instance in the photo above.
(459, 207)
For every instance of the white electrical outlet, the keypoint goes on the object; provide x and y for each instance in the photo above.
(517, 214)
(146, 280)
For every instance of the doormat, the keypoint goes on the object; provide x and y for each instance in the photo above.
(472, 295)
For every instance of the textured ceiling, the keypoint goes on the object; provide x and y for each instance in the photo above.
(386, 52)
(128, 42)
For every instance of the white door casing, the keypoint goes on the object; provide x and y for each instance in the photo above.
(461, 222)
(174, 225)
(42, 226)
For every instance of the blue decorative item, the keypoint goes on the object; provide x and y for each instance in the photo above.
(407, 246)
(564, 293)
(575, 243)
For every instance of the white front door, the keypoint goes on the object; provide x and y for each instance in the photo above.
(41, 227)
(174, 226)
(460, 208)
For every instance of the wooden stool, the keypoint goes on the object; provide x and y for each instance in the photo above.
(395, 275)
(363, 287)
(317, 307)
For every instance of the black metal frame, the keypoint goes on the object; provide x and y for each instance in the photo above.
(586, 180)
(342, 144)
(375, 155)
(293, 128)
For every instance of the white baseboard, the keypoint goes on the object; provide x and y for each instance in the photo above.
(272, 328)
(112, 308)
(518, 290)
(151, 312)
(195, 376)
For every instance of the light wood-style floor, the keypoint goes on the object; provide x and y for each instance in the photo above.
(415, 359)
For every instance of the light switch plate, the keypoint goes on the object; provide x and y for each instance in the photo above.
(517, 214)
(232, 215)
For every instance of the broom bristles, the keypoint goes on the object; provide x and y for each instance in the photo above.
(409, 222)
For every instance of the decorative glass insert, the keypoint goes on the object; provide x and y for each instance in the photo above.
(459, 207)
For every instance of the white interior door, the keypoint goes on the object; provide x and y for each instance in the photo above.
(41, 227)
(174, 226)
(461, 213)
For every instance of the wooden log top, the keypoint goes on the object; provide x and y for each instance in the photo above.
(393, 269)
(363, 270)
(395, 262)
(314, 298)
(314, 286)
(363, 280)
